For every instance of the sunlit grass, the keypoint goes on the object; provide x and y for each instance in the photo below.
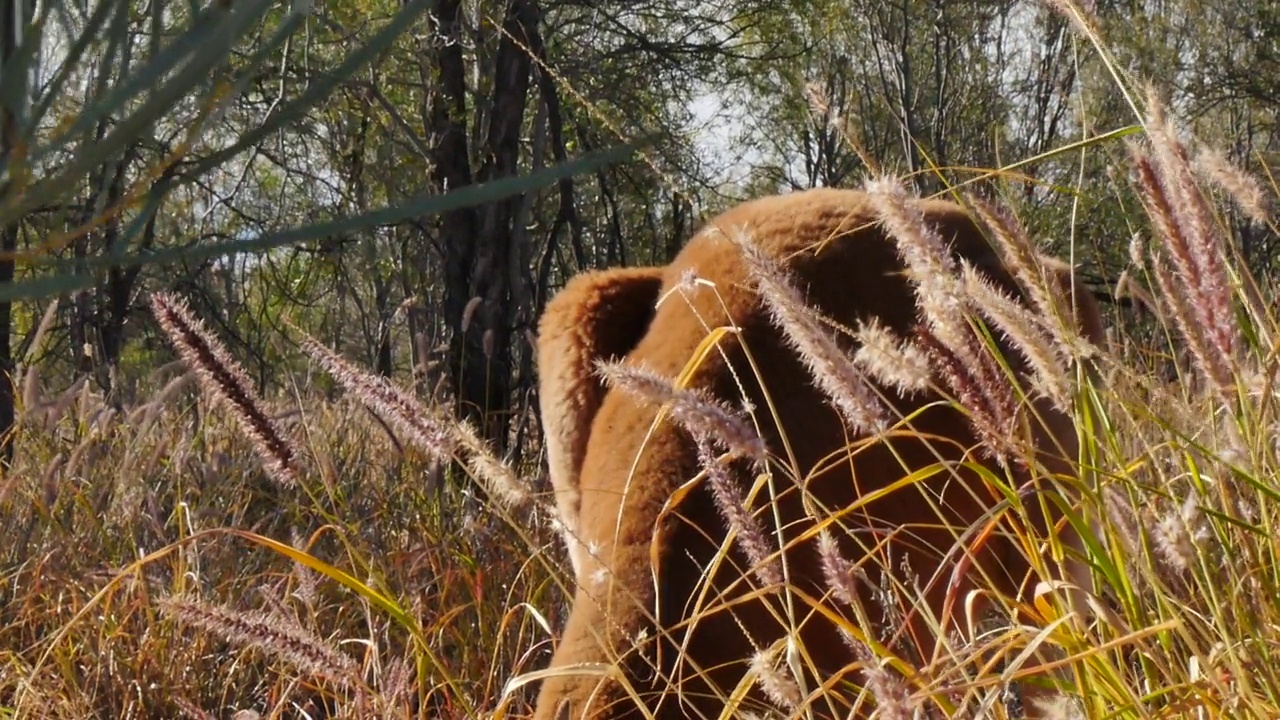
(299, 556)
(108, 523)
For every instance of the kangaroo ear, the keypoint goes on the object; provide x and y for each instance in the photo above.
(598, 316)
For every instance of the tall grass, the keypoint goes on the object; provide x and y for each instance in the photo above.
(209, 552)
(1177, 491)
(141, 579)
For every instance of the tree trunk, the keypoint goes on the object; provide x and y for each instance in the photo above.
(8, 243)
(111, 306)
(14, 15)
(479, 242)
(447, 117)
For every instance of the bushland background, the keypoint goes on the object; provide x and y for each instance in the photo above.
(279, 166)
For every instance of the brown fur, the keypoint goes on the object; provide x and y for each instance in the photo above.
(613, 469)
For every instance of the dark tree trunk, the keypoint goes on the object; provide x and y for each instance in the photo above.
(447, 116)
(478, 243)
(380, 338)
(13, 22)
(568, 212)
(100, 313)
(8, 243)
(382, 305)
(111, 307)
(681, 210)
(82, 307)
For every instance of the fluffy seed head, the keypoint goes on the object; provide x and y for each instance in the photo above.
(897, 362)
(427, 429)
(273, 635)
(729, 501)
(226, 381)
(830, 367)
(1025, 333)
(698, 414)
(1240, 186)
(776, 682)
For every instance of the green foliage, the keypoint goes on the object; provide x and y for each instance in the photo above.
(187, 63)
(434, 204)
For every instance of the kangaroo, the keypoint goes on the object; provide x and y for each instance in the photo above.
(657, 603)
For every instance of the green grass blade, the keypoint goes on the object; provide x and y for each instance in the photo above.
(470, 196)
(83, 39)
(212, 52)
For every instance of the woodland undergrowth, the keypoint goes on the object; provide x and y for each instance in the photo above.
(350, 549)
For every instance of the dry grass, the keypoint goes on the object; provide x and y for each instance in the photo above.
(291, 557)
(1178, 502)
(127, 593)
(200, 557)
